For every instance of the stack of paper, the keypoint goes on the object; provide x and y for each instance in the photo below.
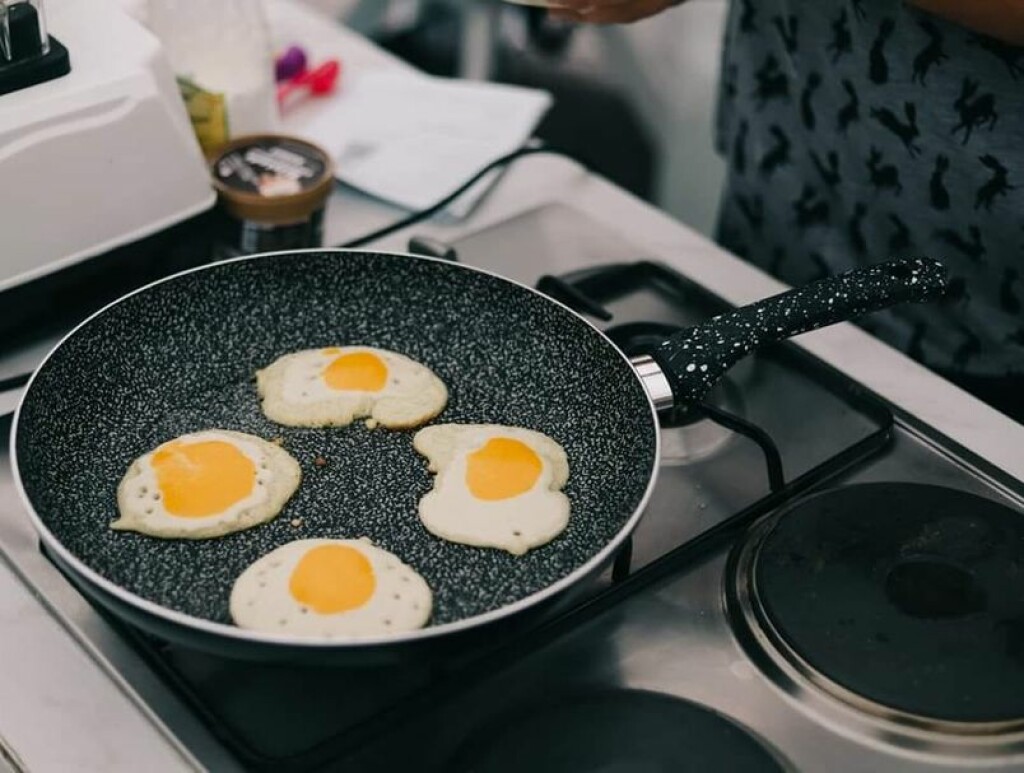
(412, 139)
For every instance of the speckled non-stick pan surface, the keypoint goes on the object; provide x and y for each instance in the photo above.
(179, 356)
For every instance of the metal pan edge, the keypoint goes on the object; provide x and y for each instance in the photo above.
(65, 556)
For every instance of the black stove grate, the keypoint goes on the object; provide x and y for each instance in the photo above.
(332, 736)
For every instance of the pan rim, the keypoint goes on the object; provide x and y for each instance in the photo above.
(243, 635)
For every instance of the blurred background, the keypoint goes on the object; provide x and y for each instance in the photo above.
(620, 106)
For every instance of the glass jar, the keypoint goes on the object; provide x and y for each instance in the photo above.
(272, 191)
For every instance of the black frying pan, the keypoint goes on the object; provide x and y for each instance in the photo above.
(179, 355)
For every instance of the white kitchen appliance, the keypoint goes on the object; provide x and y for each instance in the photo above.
(99, 157)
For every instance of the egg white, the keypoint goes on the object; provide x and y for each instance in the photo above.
(261, 600)
(141, 506)
(294, 392)
(516, 524)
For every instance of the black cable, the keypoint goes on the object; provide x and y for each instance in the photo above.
(423, 214)
(14, 381)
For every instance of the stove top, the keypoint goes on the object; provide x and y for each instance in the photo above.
(725, 462)
(674, 636)
(787, 602)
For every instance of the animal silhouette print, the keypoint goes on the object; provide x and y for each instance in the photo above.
(778, 154)
(819, 262)
(850, 111)
(1009, 55)
(829, 172)
(905, 132)
(739, 147)
(931, 55)
(915, 348)
(752, 209)
(772, 82)
(869, 325)
(956, 291)
(788, 29)
(968, 350)
(1008, 300)
(938, 195)
(883, 176)
(996, 185)
(729, 81)
(972, 247)
(858, 10)
(842, 40)
(806, 108)
(879, 67)
(974, 112)
(748, 16)
(855, 228)
(810, 209)
(899, 241)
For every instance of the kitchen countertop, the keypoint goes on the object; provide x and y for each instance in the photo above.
(101, 724)
(58, 710)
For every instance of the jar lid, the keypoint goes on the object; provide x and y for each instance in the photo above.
(272, 178)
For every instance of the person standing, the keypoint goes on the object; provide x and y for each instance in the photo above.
(859, 130)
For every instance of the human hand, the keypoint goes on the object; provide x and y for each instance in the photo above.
(609, 11)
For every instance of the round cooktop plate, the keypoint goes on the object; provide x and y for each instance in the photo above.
(909, 595)
(615, 731)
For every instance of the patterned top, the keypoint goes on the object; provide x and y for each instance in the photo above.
(857, 130)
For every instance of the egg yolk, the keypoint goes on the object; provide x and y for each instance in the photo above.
(503, 468)
(332, 578)
(360, 371)
(202, 479)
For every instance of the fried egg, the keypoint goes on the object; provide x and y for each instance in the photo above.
(339, 384)
(206, 484)
(330, 588)
(496, 486)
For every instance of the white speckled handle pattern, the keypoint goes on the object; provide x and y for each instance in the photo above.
(694, 359)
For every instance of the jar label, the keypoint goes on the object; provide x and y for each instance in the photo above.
(271, 167)
(208, 114)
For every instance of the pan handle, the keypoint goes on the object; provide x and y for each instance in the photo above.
(694, 359)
